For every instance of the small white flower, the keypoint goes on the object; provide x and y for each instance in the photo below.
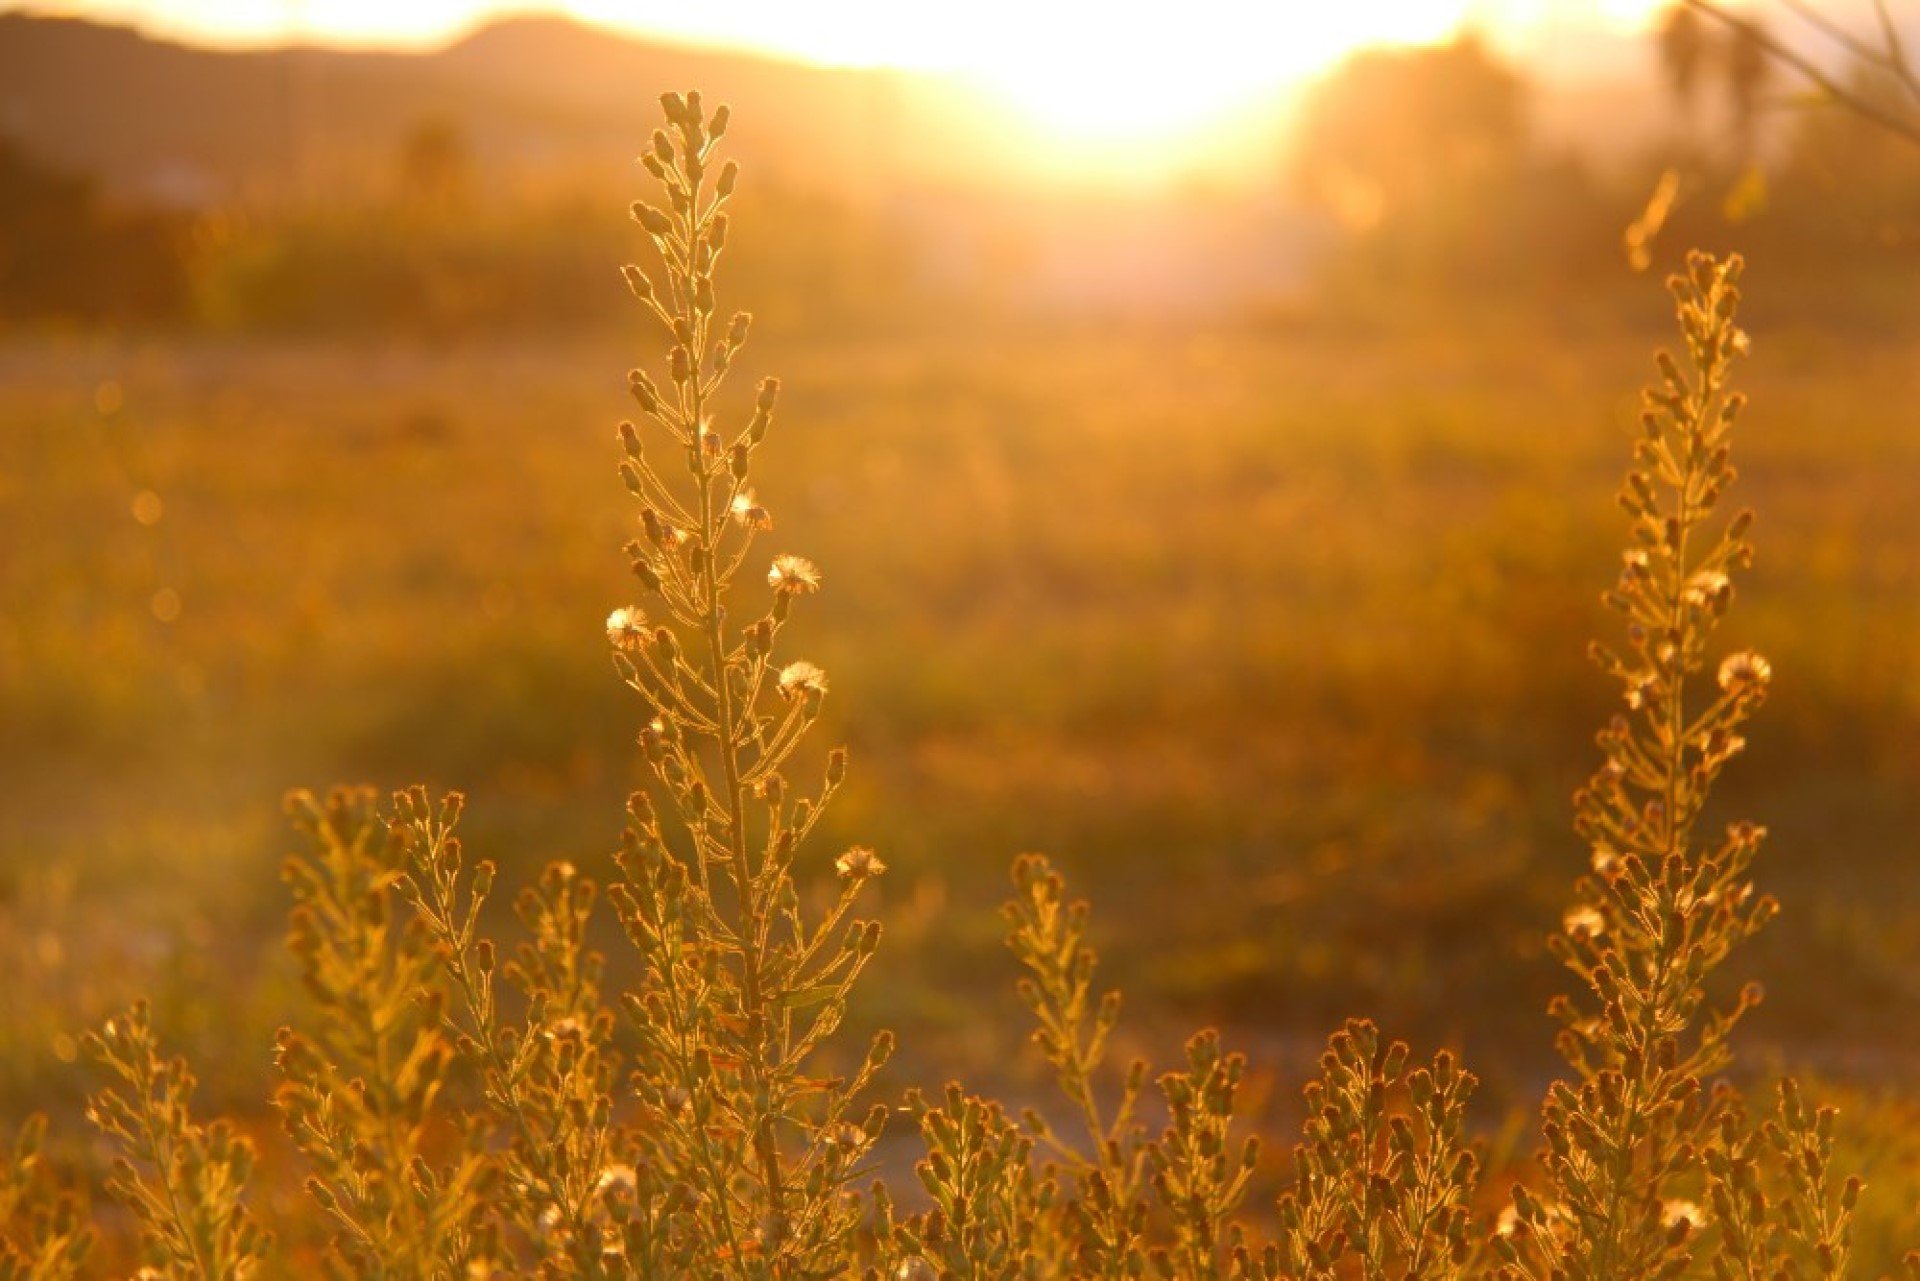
(748, 511)
(859, 864)
(627, 628)
(1641, 692)
(793, 576)
(802, 678)
(847, 1137)
(1745, 672)
(567, 1028)
(1709, 589)
(1584, 921)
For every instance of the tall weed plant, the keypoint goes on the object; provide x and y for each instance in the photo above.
(465, 1107)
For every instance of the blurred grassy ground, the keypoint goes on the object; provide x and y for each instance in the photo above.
(1272, 634)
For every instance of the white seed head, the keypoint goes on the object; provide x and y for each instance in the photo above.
(859, 864)
(747, 511)
(1708, 589)
(1584, 921)
(793, 576)
(802, 677)
(1745, 672)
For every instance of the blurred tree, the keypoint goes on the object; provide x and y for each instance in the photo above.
(1846, 184)
(1410, 147)
(67, 253)
(1684, 49)
(1747, 75)
(436, 166)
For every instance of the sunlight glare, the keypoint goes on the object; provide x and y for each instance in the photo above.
(1158, 76)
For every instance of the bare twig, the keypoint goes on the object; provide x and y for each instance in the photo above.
(1834, 31)
(1890, 55)
(1896, 49)
(1891, 58)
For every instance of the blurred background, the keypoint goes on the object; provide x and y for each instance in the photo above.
(1208, 428)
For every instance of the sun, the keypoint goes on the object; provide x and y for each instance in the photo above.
(1145, 76)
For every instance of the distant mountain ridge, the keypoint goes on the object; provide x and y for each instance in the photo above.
(542, 95)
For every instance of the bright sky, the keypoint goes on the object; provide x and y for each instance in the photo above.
(1090, 69)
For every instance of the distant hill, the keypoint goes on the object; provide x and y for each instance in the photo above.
(532, 97)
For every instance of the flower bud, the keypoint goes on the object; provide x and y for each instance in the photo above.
(644, 392)
(658, 532)
(655, 222)
(1669, 371)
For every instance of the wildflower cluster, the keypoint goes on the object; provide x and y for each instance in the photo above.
(1384, 1177)
(363, 1091)
(44, 1235)
(1635, 1139)
(687, 1111)
(1072, 1031)
(1111, 1202)
(183, 1180)
(741, 985)
(546, 1078)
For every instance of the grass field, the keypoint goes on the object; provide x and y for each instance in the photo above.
(1273, 634)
